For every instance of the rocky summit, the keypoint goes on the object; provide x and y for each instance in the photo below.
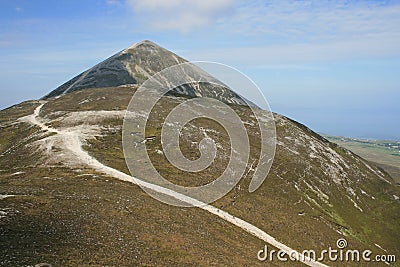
(136, 64)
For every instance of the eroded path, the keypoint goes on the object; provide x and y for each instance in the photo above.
(73, 142)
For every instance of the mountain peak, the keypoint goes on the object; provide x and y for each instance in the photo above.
(132, 65)
(142, 43)
(136, 64)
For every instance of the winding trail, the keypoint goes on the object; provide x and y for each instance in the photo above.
(72, 140)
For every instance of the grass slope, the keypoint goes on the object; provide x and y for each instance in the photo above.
(73, 216)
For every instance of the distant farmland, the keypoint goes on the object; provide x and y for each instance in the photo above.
(384, 153)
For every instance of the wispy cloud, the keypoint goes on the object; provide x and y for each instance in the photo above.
(298, 32)
(181, 15)
(315, 20)
(289, 20)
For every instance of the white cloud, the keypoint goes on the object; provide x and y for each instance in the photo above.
(313, 20)
(181, 15)
(280, 32)
(297, 32)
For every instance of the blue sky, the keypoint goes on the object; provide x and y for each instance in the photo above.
(333, 65)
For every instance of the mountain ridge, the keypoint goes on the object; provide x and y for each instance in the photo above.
(60, 209)
(134, 65)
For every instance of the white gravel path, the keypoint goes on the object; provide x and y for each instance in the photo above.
(72, 140)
